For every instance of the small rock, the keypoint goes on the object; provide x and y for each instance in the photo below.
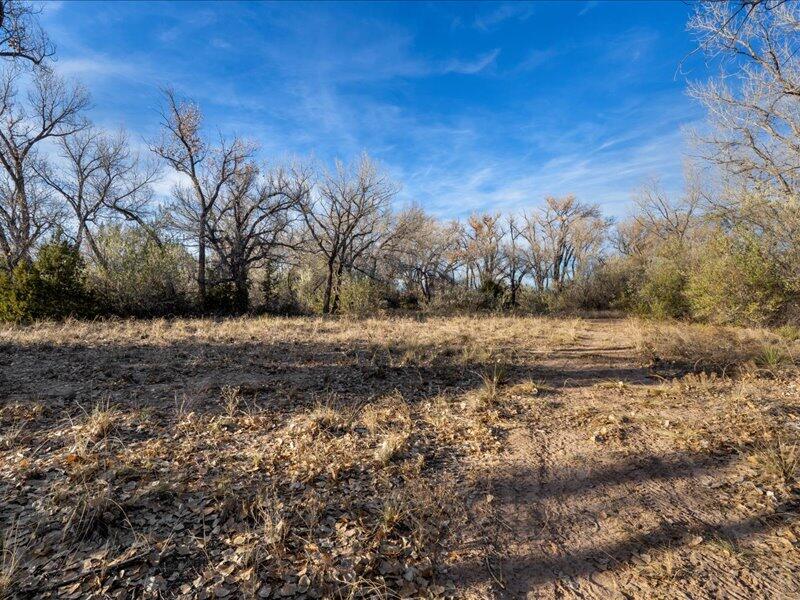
(695, 541)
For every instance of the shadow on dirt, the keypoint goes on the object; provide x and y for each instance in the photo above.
(586, 487)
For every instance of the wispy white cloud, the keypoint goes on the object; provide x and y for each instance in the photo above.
(168, 180)
(318, 87)
(468, 67)
(385, 55)
(587, 6)
(220, 43)
(536, 58)
(91, 67)
(599, 162)
(51, 7)
(606, 177)
(504, 12)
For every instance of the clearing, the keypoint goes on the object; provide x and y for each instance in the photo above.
(469, 457)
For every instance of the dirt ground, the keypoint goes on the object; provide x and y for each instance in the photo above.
(468, 457)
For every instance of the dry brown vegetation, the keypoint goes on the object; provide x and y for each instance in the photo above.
(397, 457)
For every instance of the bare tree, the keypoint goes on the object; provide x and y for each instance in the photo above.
(21, 36)
(427, 255)
(53, 110)
(208, 169)
(253, 220)
(537, 253)
(629, 238)
(754, 112)
(563, 236)
(483, 250)
(516, 263)
(662, 217)
(100, 179)
(754, 104)
(348, 216)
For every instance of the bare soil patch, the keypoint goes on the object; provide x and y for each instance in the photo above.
(484, 457)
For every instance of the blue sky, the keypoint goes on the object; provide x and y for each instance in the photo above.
(470, 106)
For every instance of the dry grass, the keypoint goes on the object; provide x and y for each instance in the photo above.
(269, 457)
(265, 489)
(10, 559)
(714, 348)
(492, 376)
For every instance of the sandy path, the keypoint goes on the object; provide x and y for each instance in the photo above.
(628, 514)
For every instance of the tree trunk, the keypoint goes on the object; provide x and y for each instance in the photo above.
(23, 250)
(95, 251)
(79, 235)
(326, 299)
(336, 289)
(513, 292)
(201, 261)
(241, 301)
(426, 288)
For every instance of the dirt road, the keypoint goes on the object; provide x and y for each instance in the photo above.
(600, 494)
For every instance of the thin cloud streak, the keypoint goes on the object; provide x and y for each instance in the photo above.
(470, 123)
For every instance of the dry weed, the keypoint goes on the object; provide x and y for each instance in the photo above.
(390, 447)
(525, 389)
(778, 451)
(391, 412)
(96, 427)
(709, 347)
(89, 509)
(231, 400)
(10, 560)
(12, 436)
(340, 488)
(492, 377)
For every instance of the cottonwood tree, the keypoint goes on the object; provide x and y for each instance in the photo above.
(516, 263)
(630, 238)
(207, 168)
(566, 234)
(663, 217)
(659, 218)
(537, 254)
(483, 250)
(754, 113)
(21, 35)
(348, 215)
(52, 110)
(754, 104)
(253, 220)
(427, 255)
(100, 179)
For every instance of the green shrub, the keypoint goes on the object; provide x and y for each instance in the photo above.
(304, 288)
(735, 282)
(662, 293)
(277, 289)
(53, 286)
(137, 277)
(789, 332)
(18, 293)
(360, 295)
(491, 295)
(538, 302)
(310, 283)
(604, 287)
(222, 298)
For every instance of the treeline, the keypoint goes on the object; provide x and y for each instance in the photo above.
(82, 233)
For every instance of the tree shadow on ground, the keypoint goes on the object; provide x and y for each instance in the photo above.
(651, 467)
(271, 374)
(603, 489)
